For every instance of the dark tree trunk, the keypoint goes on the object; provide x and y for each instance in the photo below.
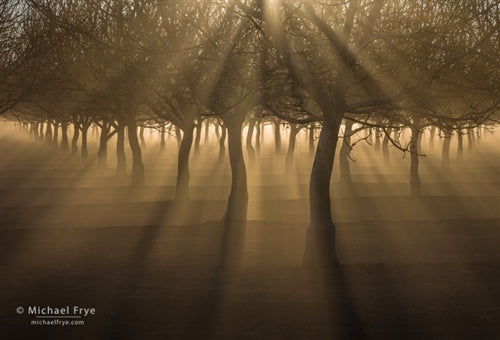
(294, 129)
(432, 137)
(183, 175)
(460, 147)
(277, 136)
(137, 166)
(162, 138)
(141, 136)
(35, 128)
(385, 146)
(311, 139)
(445, 157)
(345, 168)
(377, 138)
(470, 139)
(64, 136)
(84, 150)
(55, 135)
(207, 130)
(41, 134)
(415, 188)
(257, 136)
(320, 241)
(237, 204)
(250, 149)
(121, 160)
(222, 142)
(48, 133)
(178, 136)
(197, 137)
(102, 153)
(74, 140)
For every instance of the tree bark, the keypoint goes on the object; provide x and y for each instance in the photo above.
(415, 188)
(277, 136)
(74, 140)
(445, 156)
(320, 240)
(257, 136)
(311, 139)
(48, 133)
(250, 149)
(141, 136)
(121, 160)
(197, 137)
(460, 146)
(183, 175)
(432, 137)
(162, 138)
(294, 130)
(102, 153)
(385, 146)
(84, 150)
(137, 179)
(55, 135)
(64, 136)
(238, 199)
(222, 142)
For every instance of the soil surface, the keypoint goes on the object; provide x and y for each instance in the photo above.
(424, 267)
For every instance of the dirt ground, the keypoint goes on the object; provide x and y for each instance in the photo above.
(410, 267)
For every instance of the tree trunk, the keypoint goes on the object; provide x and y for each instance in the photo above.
(121, 161)
(294, 129)
(64, 136)
(445, 157)
(470, 139)
(41, 134)
(432, 137)
(207, 130)
(141, 136)
(250, 149)
(55, 135)
(183, 175)
(222, 142)
(345, 168)
(385, 146)
(320, 241)
(415, 188)
(162, 138)
(102, 153)
(84, 150)
(48, 133)
(277, 136)
(137, 166)
(377, 139)
(311, 139)
(178, 136)
(74, 140)
(460, 147)
(197, 137)
(257, 136)
(237, 204)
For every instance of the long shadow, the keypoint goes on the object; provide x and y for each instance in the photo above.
(206, 316)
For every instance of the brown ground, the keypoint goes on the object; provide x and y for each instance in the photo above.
(410, 267)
